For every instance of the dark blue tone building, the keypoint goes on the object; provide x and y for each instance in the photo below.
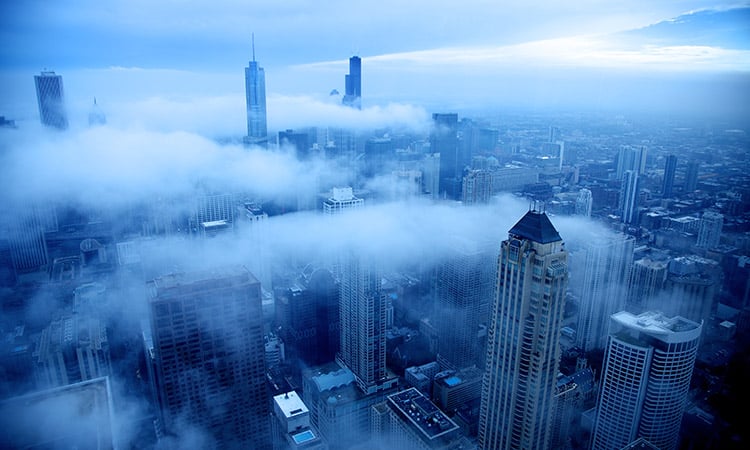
(49, 96)
(353, 92)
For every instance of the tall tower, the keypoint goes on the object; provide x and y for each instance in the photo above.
(629, 197)
(49, 97)
(584, 202)
(523, 340)
(353, 84)
(255, 96)
(208, 342)
(645, 380)
(444, 140)
(464, 281)
(670, 166)
(603, 273)
(362, 314)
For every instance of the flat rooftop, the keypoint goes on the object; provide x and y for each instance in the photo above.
(236, 274)
(290, 404)
(422, 414)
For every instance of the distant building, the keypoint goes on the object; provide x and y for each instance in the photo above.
(255, 97)
(72, 349)
(628, 205)
(444, 140)
(691, 176)
(645, 380)
(523, 347)
(709, 233)
(208, 350)
(600, 278)
(353, 82)
(647, 281)
(464, 285)
(584, 203)
(341, 199)
(50, 99)
(291, 425)
(670, 167)
(96, 115)
(298, 140)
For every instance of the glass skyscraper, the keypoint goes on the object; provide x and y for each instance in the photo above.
(353, 82)
(255, 95)
(49, 96)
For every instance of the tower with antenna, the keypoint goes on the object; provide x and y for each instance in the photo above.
(255, 96)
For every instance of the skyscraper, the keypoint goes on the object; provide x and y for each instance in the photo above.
(602, 278)
(645, 380)
(255, 96)
(523, 340)
(362, 314)
(49, 97)
(208, 344)
(670, 166)
(464, 281)
(353, 84)
(629, 197)
(444, 140)
(584, 202)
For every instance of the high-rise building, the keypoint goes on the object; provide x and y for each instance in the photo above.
(646, 282)
(629, 197)
(691, 176)
(444, 140)
(362, 314)
(255, 96)
(523, 339)
(49, 97)
(207, 336)
(96, 115)
(601, 280)
(670, 167)
(645, 380)
(464, 281)
(298, 140)
(353, 84)
(709, 233)
(631, 158)
(584, 202)
(291, 425)
(341, 199)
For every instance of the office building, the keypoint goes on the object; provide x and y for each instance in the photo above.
(645, 380)
(464, 282)
(207, 335)
(353, 84)
(670, 167)
(96, 116)
(477, 187)
(647, 282)
(50, 99)
(411, 421)
(584, 203)
(444, 140)
(629, 197)
(73, 348)
(691, 176)
(420, 377)
(631, 158)
(362, 314)
(341, 199)
(79, 416)
(709, 233)
(452, 389)
(600, 278)
(573, 395)
(523, 339)
(255, 97)
(296, 140)
(291, 425)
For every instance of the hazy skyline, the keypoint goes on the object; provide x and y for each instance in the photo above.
(187, 60)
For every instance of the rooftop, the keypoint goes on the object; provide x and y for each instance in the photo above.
(536, 226)
(420, 412)
(290, 404)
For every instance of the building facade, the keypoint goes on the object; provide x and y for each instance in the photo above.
(255, 98)
(645, 380)
(50, 99)
(523, 346)
(207, 336)
(353, 84)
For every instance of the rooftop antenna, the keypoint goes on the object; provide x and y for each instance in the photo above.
(253, 38)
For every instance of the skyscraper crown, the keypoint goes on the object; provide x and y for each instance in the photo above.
(536, 226)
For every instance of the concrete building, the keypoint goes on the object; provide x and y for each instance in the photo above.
(523, 341)
(584, 203)
(709, 233)
(208, 350)
(452, 389)
(341, 199)
(421, 377)
(645, 380)
(291, 425)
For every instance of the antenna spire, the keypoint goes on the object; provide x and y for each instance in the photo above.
(253, 38)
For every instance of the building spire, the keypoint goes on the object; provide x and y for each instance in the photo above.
(253, 39)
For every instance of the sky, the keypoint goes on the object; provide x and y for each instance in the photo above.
(143, 56)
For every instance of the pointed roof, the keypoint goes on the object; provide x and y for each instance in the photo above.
(536, 226)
